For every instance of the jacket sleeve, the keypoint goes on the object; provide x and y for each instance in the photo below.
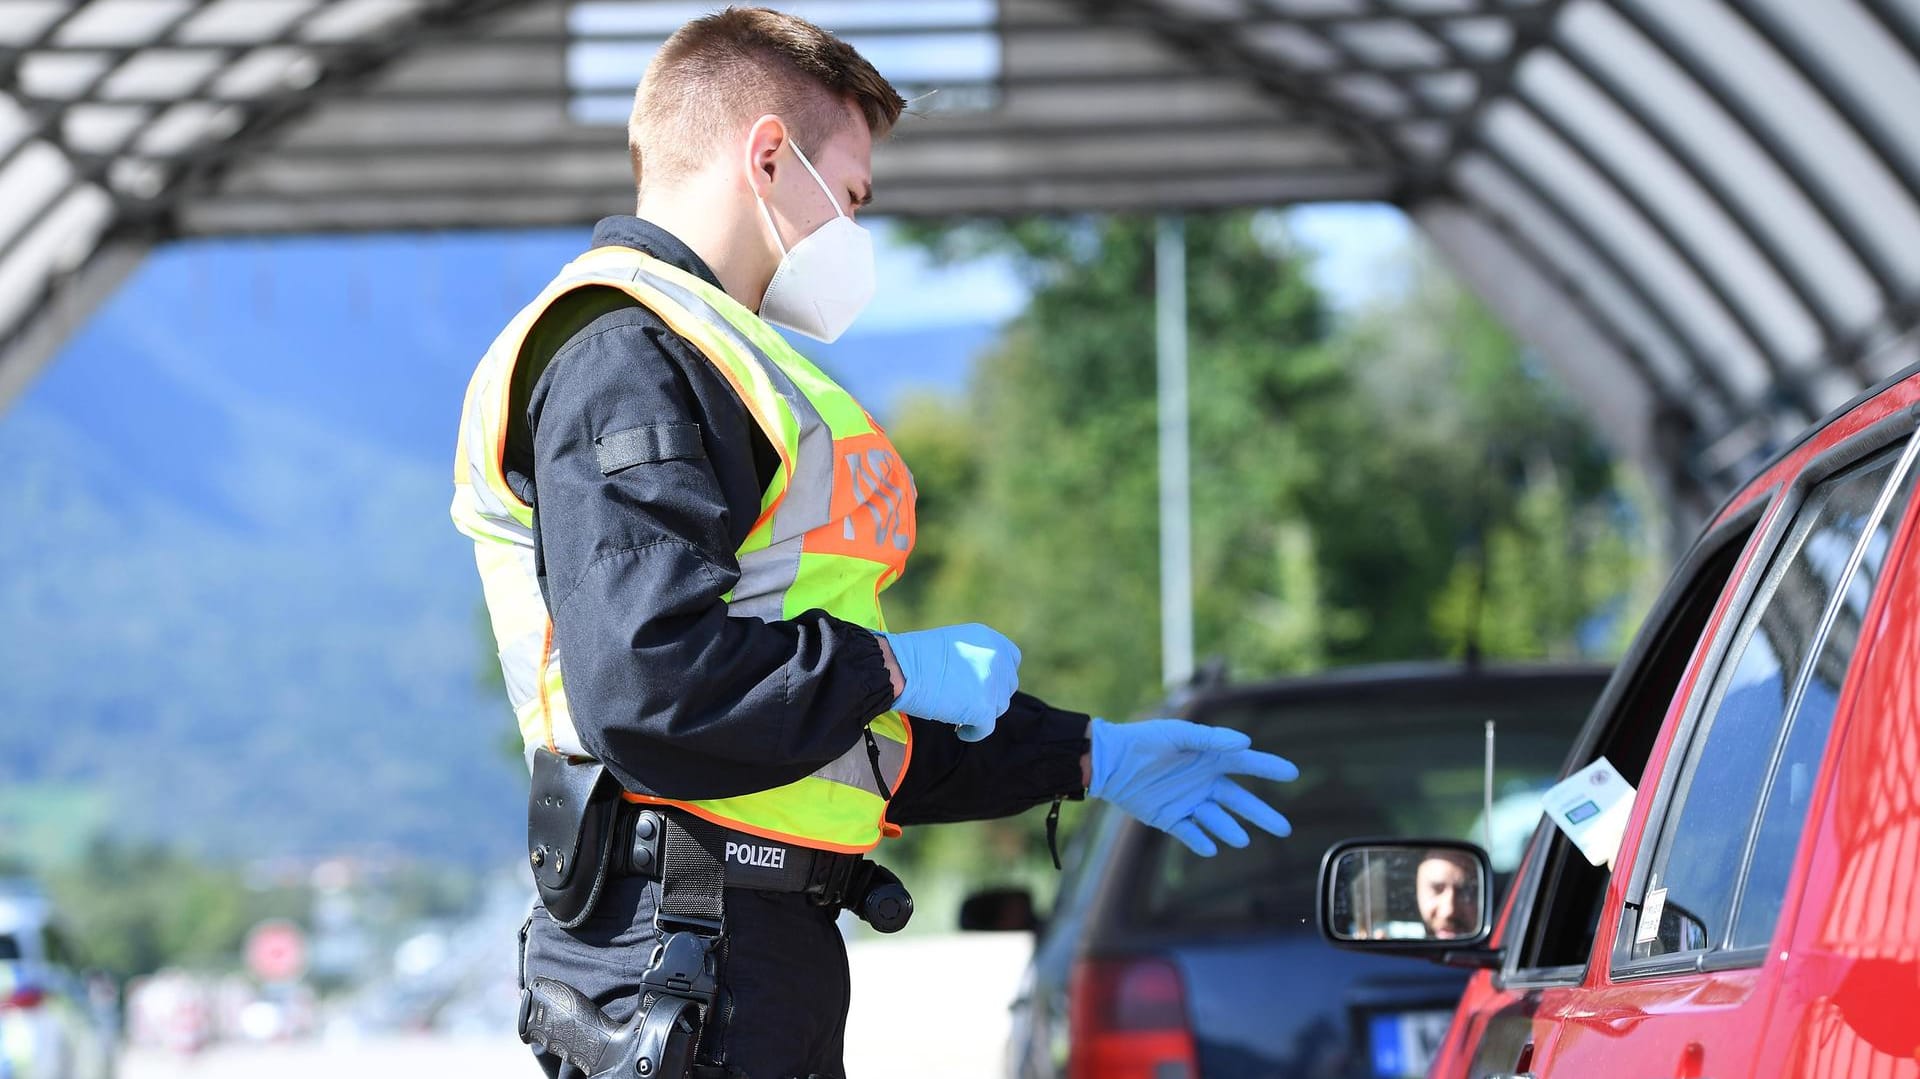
(1031, 758)
(636, 546)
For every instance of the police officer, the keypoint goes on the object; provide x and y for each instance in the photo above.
(683, 529)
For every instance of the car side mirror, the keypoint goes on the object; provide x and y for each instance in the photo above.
(1432, 898)
(1000, 910)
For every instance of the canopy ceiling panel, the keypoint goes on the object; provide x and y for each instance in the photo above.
(1705, 212)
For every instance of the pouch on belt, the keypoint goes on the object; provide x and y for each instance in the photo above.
(570, 818)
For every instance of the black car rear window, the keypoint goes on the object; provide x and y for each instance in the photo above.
(9, 948)
(1394, 760)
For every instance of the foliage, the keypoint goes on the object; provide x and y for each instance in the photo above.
(1473, 504)
(134, 909)
(1405, 483)
(1053, 538)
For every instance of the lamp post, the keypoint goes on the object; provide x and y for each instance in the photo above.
(1176, 503)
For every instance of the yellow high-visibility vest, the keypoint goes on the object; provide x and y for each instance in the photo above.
(835, 528)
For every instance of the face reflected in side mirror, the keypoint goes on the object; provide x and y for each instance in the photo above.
(1448, 887)
(1412, 896)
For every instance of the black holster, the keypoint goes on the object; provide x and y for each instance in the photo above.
(680, 985)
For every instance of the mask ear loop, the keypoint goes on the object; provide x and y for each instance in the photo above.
(767, 215)
(811, 171)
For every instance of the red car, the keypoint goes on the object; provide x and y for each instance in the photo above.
(1761, 914)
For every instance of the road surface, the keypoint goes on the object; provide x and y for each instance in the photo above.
(933, 1007)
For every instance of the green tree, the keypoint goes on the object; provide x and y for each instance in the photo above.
(1054, 538)
(1396, 485)
(134, 909)
(1472, 504)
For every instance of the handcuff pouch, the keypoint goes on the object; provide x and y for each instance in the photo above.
(570, 829)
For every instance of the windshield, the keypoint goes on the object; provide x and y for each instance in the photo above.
(1380, 760)
(9, 948)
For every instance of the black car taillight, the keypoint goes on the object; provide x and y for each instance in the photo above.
(1128, 1020)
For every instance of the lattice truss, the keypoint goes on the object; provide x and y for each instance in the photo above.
(1705, 213)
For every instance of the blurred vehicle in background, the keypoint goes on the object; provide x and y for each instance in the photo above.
(1758, 913)
(51, 1027)
(1159, 964)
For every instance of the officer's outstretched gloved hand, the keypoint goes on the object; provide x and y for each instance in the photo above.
(1172, 774)
(963, 675)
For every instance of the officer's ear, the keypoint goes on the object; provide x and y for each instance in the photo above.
(765, 139)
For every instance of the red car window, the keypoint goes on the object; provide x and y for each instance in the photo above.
(1556, 935)
(1702, 854)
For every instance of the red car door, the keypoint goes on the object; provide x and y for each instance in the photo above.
(1508, 1020)
(1684, 967)
(1848, 1000)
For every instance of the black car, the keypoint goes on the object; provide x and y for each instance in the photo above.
(1157, 964)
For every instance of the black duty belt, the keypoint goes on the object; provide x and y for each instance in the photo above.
(826, 877)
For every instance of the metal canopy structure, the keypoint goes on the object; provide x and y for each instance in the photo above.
(1705, 213)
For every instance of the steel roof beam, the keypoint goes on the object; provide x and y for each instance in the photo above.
(1672, 426)
(47, 115)
(1864, 122)
(1709, 278)
(1683, 152)
(62, 307)
(94, 168)
(563, 95)
(596, 139)
(1657, 309)
(1788, 382)
(1139, 170)
(1220, 52)
(1895, 24)
(1570, 287)
(983, 197)
(1756, 128)
(150, 219)
(269, 113)
(1852, 350)
(1463, 133)
(1527, 36)
(46, 129)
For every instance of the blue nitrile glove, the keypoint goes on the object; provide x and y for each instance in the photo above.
(963, 675)
(1172, 774)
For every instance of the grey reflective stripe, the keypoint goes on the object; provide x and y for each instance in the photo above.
(484, 503)
(522, 677)
(893, 757)
(479, 449)
(855, 769)
(768, 574)
(809, 500)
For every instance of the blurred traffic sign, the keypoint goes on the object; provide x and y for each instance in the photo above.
(277, 951)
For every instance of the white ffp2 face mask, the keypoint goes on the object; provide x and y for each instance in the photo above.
(824, 281)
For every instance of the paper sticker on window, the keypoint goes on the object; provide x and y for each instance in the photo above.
(1650, 912)
(1591, 807)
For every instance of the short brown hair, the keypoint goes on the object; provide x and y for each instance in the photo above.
(722, 71)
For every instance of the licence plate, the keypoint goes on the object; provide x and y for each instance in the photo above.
(1404, 1043)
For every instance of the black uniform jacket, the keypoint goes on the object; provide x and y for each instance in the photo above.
(675, 697)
